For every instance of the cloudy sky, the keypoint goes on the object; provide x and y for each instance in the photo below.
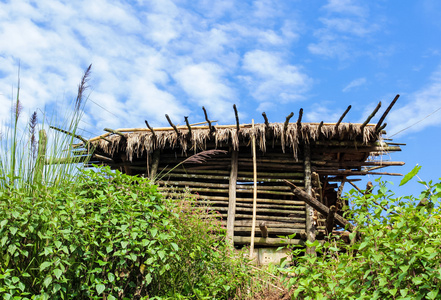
(152, 57)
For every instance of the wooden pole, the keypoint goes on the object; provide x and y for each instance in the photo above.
(155, 163)
(237, 117)
(320, 207)
(39, 164)
(330, 219)
(377, 127)
(370, 117)
(171, 124)
(263, 229)
(253, 226)
(310, 227)
(232, 196)
(266, 119)
(342, 116)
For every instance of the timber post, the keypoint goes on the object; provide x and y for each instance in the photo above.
(310, 227)
(232, 196)
(39, 164)
(155, 163)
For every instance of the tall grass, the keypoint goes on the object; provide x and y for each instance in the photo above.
(20, 166)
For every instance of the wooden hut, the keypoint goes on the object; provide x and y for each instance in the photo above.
(317, 157)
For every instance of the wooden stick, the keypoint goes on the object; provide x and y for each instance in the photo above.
(266, 119)
(150, 128)
(370, 117)
(299, 120)
(240, 240)
(237, 117)
(381, 128)
(385, 113)
(171, 124)
(319, 129)
(342, 116)
(155, 163)
(232, 197)
(264, 229)
(208, 121)
(188, 126)
(310, 227)
(253, 227)
(41, 154)
(285, 126)
(71, 134)
(321, 208)
(330, 219)
(114, 132)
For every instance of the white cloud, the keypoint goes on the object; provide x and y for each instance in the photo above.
(346, 25)
(421, 110)
(354, 83)
(205, 83)
(274, 78)
(350, 7)
(319, 112)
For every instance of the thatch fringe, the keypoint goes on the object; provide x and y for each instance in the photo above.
(139, 142)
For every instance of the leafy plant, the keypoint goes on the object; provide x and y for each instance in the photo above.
(111, 235)
(397, 254)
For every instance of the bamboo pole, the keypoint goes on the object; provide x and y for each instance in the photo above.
(310, 227)
(232, 197)
(39, 164)
(267, 241)
(342, 116)
(378, 126)
(253, 227)
(115, 132)
(370, 117)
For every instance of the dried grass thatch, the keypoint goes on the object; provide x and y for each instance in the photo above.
(138, 141)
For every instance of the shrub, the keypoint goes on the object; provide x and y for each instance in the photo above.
(397, 254)
(110, 235)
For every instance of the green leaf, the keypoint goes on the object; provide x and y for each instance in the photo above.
(47, 281)
(410, 175)
(175, 246)
(433, 294)
(393, 291)
(363, 245)
(417, 280)
(111, 277)
(3, 223)
(124, 244)
(13, 230)
(100, 288)
(58, 273)
(45, 265)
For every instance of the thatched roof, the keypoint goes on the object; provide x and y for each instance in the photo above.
(134, 142)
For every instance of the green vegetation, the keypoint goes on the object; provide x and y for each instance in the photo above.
(395, 253)
(110, 235)
(100, 234)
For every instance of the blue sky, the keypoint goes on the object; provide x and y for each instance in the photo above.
(156, 57)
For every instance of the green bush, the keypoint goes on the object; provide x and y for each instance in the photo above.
(395, 253)
(111, 236)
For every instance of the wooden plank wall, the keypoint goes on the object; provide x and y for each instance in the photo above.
(277, 207)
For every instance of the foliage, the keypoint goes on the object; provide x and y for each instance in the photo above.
(20, 167)
(395, 253)
(110, 235)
